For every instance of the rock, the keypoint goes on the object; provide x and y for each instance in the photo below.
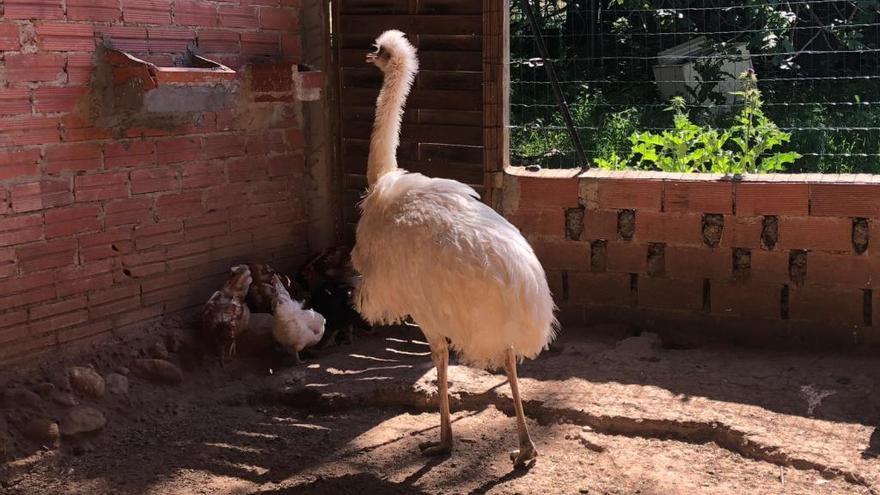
(158, 370)
(41, 430)
(122, 370)
(645, 345)
(158, 351)
(82, 419)
(116, 384)
(172, 343)
(86, 381)
(63, 398)
(45, 389)
(22, 398)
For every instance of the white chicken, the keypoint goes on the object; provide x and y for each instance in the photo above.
(294, 328)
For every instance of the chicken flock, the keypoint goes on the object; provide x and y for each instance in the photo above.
(314, 310)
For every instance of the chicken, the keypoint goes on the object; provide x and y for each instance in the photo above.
(329, 280)
(261, 294)
(225, 315)
(294, 328)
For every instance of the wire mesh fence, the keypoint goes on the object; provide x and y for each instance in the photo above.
(621, 62)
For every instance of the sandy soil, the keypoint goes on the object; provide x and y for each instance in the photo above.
(608, 416)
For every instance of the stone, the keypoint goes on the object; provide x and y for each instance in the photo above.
(123, 370)
(158, 370)
(63, 398)
(86, 381)
(45, 389)
(22, 398)
(158, 351)
(645, 345)
(82, 419)
(42, 430)
(116, 384)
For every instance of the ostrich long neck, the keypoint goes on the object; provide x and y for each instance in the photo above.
(386, 129)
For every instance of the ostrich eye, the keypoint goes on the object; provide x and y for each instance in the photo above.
(383, 53)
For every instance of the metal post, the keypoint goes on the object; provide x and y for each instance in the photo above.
(554, 82)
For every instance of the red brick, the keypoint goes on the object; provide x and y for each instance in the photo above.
(238, 17)
(217, 41)
(59, 307)
(51, 254)
(821, 304)
(101, 186)
(291, 46)
(600, 224)
(698, 262)
(34, 67)
(55, 100)
(18, 164)
(147, 11)
(667, 293)
(224, 196)
(128, 211)
(770, 266)
(563, 255)
(755, 300)
(128, 38)
(26, 297)
(286, 166)
(840, 269)
(742, 232)
(185, 204)
(263, 143)
(8, 266)
(259, 43)
(114, 294)
(544, 193)
(544, 222)
(600, 288)
(34, 9)
(129, 154)
(754, 199)
(675, 228)
(82, 279)
(93, 10)
(630, 194)
(177, 150)
(108, 244)
(202, 174)
(825, 233)
(244, 169)
(9, 319)
(25, 131)
(626, 257)
(84, 332)
(206, 232)
(170, 40)
(59, 321)
(283, 19)
(75, 128)
(4, 201)
(699, 196)
(74, 220)
(65, 37)
(153, 180)
(78, 157)
(45, 193)
(9, 40)
(195, 13)
(223, 146)
(79, 68)
(15, 101)
(160, 234)
(845, 200)
(20, 229)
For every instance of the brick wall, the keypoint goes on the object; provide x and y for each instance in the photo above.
(781, 258)
(100, 230)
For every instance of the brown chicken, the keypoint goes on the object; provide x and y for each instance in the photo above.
(226, 315)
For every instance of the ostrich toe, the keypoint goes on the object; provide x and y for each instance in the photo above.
(432, 449)
(523, 455)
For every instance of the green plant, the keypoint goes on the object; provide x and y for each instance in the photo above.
(744, 147)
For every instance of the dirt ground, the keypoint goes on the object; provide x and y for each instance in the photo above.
(608, 415)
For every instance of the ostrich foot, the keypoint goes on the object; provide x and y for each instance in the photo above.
(433, 449)
(523, 455)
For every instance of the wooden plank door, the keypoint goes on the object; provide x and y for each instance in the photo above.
(442, 132)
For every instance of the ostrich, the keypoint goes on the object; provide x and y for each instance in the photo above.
(427, 248)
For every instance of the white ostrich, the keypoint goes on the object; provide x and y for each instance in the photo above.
(429, 249)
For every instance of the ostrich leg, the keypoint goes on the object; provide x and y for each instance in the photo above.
(527, 450)
(440, 356)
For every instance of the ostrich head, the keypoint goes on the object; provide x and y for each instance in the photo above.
(394, 53)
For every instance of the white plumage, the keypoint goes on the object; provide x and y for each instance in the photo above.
(428, 248)
(293, 327)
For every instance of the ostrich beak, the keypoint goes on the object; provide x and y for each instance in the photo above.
(371, 58)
